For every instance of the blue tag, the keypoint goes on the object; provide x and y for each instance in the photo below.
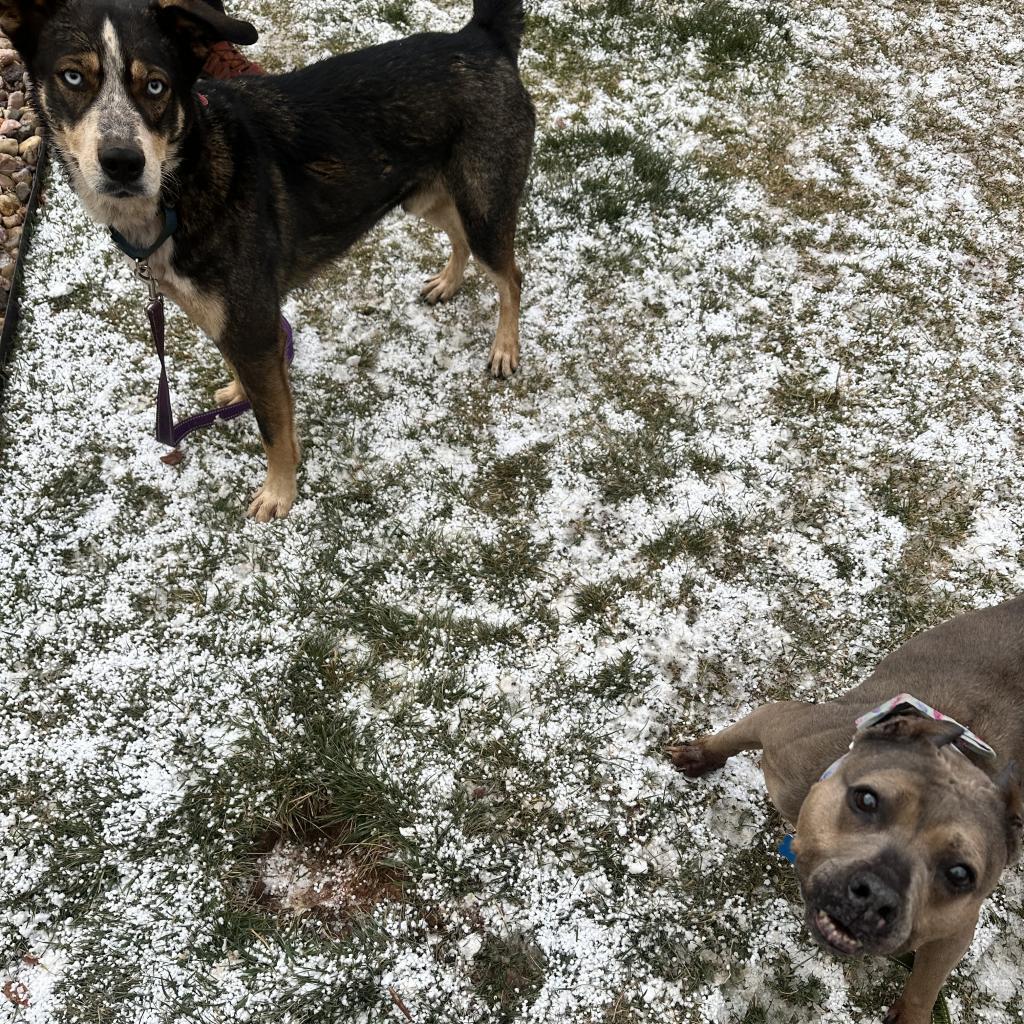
(786, 848)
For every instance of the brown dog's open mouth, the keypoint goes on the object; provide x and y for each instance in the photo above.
(835, 936)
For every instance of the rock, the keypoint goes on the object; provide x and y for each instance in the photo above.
(21, 174)
(24, 132)
(16, 100)
(9, 146)
(13, 236)
(9, 205)
(9, 126)
(8, 270)
(12, 221)
(22, 191)
(14, 75)
(7, 57)
(28, 119)
(29, 149)
(11, 164)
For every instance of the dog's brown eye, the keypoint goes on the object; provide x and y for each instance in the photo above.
(864, 800)
(960, 876)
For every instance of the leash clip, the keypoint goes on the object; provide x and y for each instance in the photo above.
(143, 273)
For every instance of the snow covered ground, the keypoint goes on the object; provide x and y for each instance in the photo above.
(400, 756)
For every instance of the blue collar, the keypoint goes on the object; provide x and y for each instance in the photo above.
(136, 253)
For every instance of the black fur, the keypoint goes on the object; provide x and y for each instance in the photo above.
(278, 175)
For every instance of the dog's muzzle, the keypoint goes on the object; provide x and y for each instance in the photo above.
(859, 910)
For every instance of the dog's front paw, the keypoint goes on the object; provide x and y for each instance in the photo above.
(272, 501)
(902, 1013)
(504, 358)
(229, 394)
(694, 759)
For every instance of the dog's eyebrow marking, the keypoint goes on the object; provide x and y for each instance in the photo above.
(111, 45)
(118, 118)
(86, 59)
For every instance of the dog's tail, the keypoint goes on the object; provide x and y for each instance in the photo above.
(503, 19)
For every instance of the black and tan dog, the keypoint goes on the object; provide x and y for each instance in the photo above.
(437, 123)
(910, 828)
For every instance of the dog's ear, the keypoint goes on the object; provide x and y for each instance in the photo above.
(203, 24)
(911, 729)
(22, 21)
(1009, 784)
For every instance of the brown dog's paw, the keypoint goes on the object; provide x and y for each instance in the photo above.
(901, 1013)
(694, 759)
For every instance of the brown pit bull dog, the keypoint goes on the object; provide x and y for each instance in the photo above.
(903, 832)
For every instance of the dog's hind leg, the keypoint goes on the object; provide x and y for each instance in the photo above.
(443, 214)
(485, 179)
(263, 374)
(492, 246)
(503, 360)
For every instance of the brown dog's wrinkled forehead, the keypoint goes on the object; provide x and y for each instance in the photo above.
(930, 786)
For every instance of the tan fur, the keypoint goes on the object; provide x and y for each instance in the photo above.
(941, 809)
(933, 807)
(268, 383)
(928, 826)
(504, 358)
(117, 140)
(436, 206)
(80, 140)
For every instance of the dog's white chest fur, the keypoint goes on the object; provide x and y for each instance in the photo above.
(202, 308)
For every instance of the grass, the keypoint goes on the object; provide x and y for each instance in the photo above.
(508, 972)
(762, 434)
(726, 35)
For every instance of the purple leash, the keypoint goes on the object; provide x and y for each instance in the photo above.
(167, 431)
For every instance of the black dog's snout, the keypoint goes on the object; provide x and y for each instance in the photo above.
(122, 163)
(875, 903)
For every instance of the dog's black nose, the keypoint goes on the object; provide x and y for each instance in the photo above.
(875, 903)
(122, 163)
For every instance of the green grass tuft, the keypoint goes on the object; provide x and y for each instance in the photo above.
(508, 972)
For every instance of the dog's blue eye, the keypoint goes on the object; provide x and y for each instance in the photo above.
(960, 876)
(154, 87)
(73, 78)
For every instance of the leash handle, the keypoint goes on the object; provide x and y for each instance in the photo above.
(167, 431)
(164, 415)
